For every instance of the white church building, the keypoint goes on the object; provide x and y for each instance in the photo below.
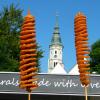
(55, 61)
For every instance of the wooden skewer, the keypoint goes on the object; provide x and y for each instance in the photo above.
(86, 96)
(29, 96)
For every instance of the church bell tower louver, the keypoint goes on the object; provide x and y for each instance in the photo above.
(55, 49)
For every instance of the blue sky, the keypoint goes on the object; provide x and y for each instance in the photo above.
(45, 11)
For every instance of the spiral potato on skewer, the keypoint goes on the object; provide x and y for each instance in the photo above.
(82, 50)
(28, 54)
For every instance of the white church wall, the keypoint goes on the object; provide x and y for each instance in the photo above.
(59, 69)
(74, 70)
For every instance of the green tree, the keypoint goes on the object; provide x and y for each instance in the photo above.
(10, 23)
(95, 57)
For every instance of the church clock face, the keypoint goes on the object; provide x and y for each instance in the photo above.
(55, 56)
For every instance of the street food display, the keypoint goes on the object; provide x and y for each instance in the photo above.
(28, 53)
(82, 50)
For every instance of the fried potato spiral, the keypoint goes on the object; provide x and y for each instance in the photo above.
(81, 45)
(28, 53)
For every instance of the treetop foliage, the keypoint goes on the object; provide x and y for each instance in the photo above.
(10, 24)
(95, 57)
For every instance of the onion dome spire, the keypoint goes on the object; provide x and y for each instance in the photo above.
(56, 39)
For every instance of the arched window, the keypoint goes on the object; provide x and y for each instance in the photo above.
(55, 52)
(54, 64)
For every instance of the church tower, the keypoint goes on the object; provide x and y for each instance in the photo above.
(55, 49)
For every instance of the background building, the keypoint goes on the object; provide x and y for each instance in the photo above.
(55, 62)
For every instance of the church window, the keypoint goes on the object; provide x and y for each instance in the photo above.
(55, 52)
(54, 64)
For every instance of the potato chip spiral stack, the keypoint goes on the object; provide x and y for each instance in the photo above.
(82, 50)
(28, 54)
